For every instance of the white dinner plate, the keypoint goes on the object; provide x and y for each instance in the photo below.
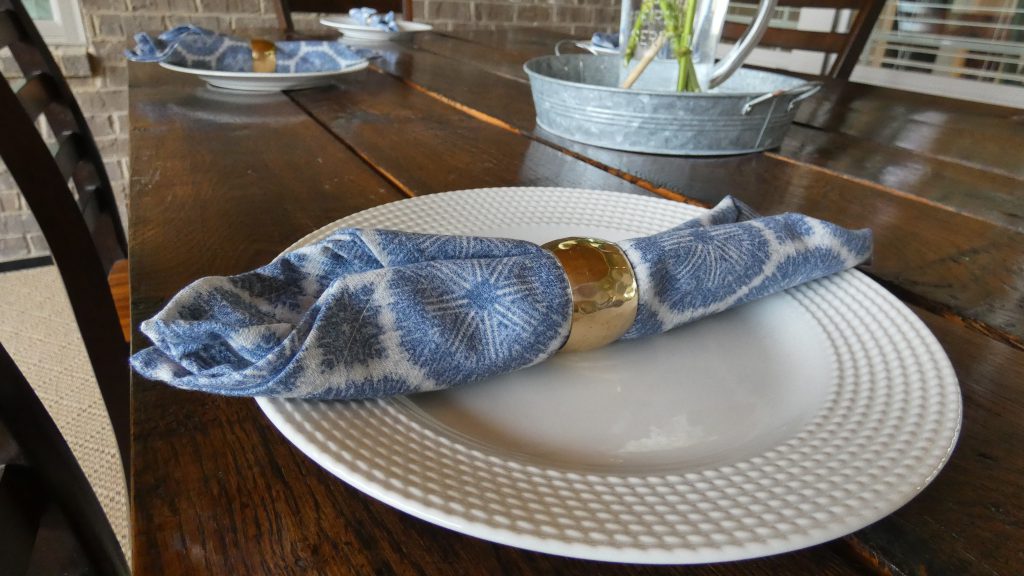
(595, 49)
(265, 81)
(774, 426)
(353, 30)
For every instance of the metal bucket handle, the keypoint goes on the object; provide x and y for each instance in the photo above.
(803, 91)
(558, 46)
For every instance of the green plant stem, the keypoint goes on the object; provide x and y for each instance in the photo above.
(645, 61)
(678, 22)
(681, 76)
(670, 17)
(687, 80)
(646, 8)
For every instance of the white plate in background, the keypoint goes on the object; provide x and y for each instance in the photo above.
(353, 30)
(265, 81)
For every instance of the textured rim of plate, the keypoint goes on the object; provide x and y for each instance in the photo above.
(886, 429)
(355, 67)
(415, 26)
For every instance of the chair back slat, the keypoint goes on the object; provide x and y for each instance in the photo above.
(67, 156)
(846, 46)
(87, 183)
(22, 504)
(834, 4)
(860, 30)
(57, 474)
(36, 94)
(59, 105)
(62, 122)
(83, 248)
(8, 33)
(99, 222)
(74, 166)
(43, 179)
(832, 42)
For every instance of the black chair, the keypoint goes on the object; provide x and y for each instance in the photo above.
(50, 518)
(847, 47)
(286, 7)
(84, 232)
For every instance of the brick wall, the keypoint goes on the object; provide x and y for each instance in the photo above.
(578, 18)
(98, 74)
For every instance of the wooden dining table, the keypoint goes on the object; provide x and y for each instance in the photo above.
(222, 183)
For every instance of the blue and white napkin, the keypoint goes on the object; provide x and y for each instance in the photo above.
(369, 17)
(194, 47)
(374, 313)
(605, 40)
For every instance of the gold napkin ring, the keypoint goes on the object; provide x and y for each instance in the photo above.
(264, 55)
(604, 291)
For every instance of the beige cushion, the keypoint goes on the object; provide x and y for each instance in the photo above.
(39, 331)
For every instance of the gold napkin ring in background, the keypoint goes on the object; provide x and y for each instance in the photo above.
(604, 292)
(264, 55)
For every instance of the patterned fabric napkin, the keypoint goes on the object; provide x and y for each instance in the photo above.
(373, 313)
(605, 40)
(373, 19)
(195, 47)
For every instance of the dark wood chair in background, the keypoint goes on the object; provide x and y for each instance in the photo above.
(286, 7)
(84, 232)
(846, 46)
(50, 518)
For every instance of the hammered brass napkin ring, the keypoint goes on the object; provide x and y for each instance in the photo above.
(264, 55)
(604, 291)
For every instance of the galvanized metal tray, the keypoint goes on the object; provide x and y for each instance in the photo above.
(577, 97)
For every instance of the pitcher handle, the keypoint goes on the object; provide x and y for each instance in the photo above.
(734, 59)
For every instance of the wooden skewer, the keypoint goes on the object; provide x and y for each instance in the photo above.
(645, 60)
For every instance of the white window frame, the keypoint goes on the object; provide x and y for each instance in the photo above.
(66, 28)
(821, 20)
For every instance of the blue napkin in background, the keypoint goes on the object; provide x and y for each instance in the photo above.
(373, 19)
(374, 313)
(195, 47)
(605, 40)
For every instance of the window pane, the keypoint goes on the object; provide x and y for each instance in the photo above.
(39, 9)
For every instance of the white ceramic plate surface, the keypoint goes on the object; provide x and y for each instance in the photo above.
(353, 30)
(775, 426)
(265, 81)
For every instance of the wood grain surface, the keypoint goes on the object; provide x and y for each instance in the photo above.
(120, 291)
(222, 184)
(441, 147)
